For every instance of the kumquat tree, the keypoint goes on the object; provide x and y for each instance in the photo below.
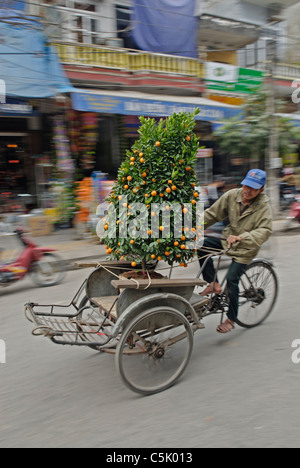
(153, 209)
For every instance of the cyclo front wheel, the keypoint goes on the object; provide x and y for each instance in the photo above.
(154, 350)
(258, 294)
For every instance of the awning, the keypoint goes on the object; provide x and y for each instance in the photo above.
(29, 67)
(155, 105)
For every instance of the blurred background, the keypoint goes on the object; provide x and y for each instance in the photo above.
(77, 75)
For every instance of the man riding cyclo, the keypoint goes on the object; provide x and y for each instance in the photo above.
(250, 226)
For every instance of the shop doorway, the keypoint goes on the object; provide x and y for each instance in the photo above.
(13, 173)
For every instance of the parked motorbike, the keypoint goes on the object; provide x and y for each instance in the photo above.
(44, 266)
(287, 195)
(294, 214)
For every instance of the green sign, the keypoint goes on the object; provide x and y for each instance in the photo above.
(241, 80)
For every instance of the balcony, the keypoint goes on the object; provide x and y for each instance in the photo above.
(216, 32)
(282, 71)
(128, 60)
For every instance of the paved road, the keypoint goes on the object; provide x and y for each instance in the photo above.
(240, 390)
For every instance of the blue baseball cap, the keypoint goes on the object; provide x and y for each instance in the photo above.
(256, 179)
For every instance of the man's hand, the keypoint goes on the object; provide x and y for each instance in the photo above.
(233, 240)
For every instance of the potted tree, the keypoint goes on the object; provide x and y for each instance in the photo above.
(152, 212)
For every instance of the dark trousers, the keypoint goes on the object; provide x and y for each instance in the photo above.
(236, 270)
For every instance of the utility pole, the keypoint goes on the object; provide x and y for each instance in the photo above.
(272, 153)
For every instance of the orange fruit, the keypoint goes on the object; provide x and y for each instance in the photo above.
(132, 242)
(149, 232)
(144, 174)
(167, 254)
(185, 210)
(188, 138)
(133, 264)
(153, 256)
(132, 159)
(126, 187)
(188, 168)
(129, 178)
(157, 143)
(141, 155)
(159, 258)
(153, 193)
(176, 243)
(196, 194)
(170, 182)
(168, 190)
(132, 164)
(161, 228)
(182, 247)
(174, 187)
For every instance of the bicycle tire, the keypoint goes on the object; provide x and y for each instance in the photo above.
(251, 314)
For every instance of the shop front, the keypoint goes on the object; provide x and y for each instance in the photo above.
(118, 121)
(19, 139)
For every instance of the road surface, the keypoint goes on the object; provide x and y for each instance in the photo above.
(240, 390)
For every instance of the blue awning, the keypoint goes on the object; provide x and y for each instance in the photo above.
(29, 67)
(130, 103)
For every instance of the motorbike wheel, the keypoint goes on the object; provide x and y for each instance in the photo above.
(48, 271)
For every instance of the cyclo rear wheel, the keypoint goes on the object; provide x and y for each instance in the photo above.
(154, 350)
(258, 294)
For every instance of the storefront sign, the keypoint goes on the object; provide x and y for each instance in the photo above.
(23, 109)
(86, 102)
(223, 77)
(205, 153)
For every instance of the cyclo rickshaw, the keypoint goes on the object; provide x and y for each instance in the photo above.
(149, 324)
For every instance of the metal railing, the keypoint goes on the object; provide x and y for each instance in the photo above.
(134, 61)
(128, 59)
(282, 71)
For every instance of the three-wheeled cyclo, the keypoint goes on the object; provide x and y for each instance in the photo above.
(149, 324)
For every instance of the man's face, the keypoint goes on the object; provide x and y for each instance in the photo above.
(249, 193)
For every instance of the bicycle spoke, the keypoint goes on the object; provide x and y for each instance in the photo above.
(258, 292)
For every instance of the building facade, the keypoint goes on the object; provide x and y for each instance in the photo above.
(114, 82)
